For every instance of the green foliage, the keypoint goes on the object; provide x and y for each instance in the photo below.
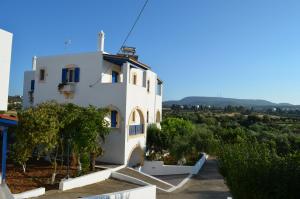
(154, 138)
(258, 154)
(252, 170)
(48, 127)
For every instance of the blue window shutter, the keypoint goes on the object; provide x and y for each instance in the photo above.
(77, 74)
(32, 83)
(113, 118)
(114, 77)
(64, 75)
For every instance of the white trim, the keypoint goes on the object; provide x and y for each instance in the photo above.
(30, 194)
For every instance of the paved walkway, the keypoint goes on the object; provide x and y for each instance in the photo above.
(107, 186)
(207, 184)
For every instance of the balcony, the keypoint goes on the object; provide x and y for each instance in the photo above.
(66, 88)
(136, 129)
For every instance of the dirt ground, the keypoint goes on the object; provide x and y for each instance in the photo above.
(38, 174)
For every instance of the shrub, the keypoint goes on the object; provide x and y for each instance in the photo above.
(252, 170)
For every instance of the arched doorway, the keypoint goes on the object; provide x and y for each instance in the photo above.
(136, 157)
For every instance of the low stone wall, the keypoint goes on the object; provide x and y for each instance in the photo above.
(158, 168)
(147, 192)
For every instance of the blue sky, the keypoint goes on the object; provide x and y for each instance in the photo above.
(228, 48)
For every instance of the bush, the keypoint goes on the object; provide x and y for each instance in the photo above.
(252, 170)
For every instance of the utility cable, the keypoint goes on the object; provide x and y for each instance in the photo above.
(135, 22)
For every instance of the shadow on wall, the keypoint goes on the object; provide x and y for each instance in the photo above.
(136, 157)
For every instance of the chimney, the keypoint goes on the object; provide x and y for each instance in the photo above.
(101, 41)
(34, 63)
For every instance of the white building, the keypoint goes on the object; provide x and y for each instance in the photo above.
(5, 57)
(129, 88)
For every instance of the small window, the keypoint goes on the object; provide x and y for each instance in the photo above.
(133, 116)
(147, 116)
(42, 74)
(148, 86)
(115, 76)
(134, 79)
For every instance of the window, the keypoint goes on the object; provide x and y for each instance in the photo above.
(134, 79)
(133, 116)
(32, 84)
(147, 116)
(42, 74)
(115, 76)
(113, 119)
(148, 86)
(70, 75)
(158, 117)
(158, 89)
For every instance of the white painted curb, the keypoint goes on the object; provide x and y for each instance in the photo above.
(30, 194)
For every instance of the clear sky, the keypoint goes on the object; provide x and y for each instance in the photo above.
(228, 48)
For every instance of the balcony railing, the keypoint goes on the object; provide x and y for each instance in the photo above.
(136, 129)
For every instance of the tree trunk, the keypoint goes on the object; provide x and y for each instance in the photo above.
(73, 160)
(24, 167)
(55, 167)
(54, 173)
(93, 161)
(79, 163)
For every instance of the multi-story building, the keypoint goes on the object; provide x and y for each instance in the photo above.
(128, 88)
(5, 57)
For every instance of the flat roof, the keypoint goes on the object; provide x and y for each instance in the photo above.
(6, 120)
(120, 59)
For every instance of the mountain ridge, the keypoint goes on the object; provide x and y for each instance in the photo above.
(223, 101)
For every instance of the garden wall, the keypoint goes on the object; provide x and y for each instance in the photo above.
(147, 192)
(158, 168)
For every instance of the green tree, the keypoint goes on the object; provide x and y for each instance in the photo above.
(90, 129)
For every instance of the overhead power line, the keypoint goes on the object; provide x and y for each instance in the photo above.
(135, 22)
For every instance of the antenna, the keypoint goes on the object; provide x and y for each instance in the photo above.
(67, 43)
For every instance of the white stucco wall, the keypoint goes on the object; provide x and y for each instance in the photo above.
(28, 76)
(5, 59)
(95, 88)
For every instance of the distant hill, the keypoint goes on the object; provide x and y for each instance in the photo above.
(222, 102)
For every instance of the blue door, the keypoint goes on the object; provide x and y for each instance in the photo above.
(113, 118)
(114, 76)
